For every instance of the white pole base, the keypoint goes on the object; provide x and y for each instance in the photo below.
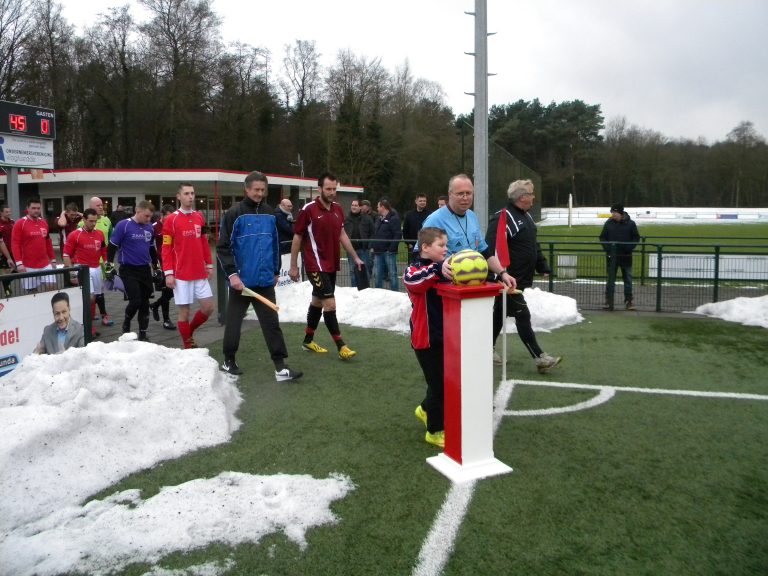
(460, 473)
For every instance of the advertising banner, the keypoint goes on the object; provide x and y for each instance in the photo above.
(24, 152)
(22, 319)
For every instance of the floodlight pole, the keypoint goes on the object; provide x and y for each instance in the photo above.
(481, 112)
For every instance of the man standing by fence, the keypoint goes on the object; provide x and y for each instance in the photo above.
(619, 237)
(359, 227)
(412, 223)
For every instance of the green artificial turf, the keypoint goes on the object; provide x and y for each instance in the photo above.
(642, 484)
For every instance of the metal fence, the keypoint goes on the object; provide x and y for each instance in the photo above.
(668, 277)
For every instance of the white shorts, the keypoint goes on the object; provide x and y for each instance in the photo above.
(187, 291)
(34, 283)
(97, 284)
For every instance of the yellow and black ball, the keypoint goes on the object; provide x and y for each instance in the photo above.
(469, 268)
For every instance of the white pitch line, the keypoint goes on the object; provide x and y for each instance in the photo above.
(438, 545)
(666, 391)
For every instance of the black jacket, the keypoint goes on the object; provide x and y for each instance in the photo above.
(412, 223)
(624, 231)
(284, 223)
(387, 228)
(524, 251)
(358, 227)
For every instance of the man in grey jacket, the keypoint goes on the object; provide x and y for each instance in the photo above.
(65, 332)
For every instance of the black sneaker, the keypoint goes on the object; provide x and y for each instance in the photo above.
(155, 313)
(143, 336)
(287, 374)
(231, 367)
(168, 325)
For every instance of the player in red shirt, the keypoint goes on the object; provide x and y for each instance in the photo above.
(32, 246)
(319, 229)
(87, 246)
(7, 265)
(187, 263)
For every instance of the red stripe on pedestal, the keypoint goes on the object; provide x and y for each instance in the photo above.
(452, 378)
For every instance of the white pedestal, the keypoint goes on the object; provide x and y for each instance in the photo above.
(467, 336)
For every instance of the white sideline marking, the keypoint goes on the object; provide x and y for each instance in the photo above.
(669, 392)
(438, 544)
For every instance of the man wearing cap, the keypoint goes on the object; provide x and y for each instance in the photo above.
(619, 238)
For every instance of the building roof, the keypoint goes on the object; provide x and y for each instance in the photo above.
(163, 175)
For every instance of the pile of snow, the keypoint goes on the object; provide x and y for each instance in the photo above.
(747, 311)
(76, 423)
(388, 310)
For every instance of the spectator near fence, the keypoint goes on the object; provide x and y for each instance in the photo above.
(622, 230)
(359, 228)
(387, 236)
(412, 223)
(284, 223)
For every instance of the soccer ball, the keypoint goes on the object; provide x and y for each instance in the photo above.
(469, 268)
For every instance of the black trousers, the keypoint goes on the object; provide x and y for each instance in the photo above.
(517, 307)
(164, 302)
(138, 288)
(431, 362)
(237, 306)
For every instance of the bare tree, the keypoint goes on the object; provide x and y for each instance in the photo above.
(183, 39)
(15, 23)
(302, 68)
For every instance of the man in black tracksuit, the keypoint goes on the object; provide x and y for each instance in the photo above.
(525, 259)
(621, 230)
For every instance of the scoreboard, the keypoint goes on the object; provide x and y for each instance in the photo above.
(28, 121)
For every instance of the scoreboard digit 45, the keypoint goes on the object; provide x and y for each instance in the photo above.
(23, 120)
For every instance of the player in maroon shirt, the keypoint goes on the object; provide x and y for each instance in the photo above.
(318, 230)
(87, 246)
(187, 263)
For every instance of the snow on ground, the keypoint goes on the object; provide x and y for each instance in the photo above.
(747, 311)
(76, 423)
(388, 310)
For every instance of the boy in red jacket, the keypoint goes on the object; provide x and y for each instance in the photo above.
(420, 279)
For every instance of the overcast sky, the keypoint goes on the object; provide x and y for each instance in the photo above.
(684, 68)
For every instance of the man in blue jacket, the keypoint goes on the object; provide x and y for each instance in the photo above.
(248, 251)
(619, 238)
(387, 239)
